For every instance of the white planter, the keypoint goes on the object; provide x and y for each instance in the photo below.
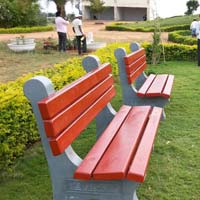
(21, 47)
(22, 41)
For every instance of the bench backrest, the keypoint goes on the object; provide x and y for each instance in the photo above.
(135, 64)
(67, 112)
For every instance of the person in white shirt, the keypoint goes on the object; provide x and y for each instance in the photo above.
(80, 36)
(193, 27)
(61, 28)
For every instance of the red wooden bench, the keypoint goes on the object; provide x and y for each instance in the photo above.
(155, 85)
(137, 88)
(121, 153)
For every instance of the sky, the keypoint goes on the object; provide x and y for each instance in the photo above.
(165, 8)
(169, 8)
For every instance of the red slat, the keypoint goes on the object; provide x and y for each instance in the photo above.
(115, 162)
(84, 171)
(130, 58)
(136, 73)
(54, 126)
(60, 143)
(139, 165)
(142, 91)
(53, 104)
(168, 87)
(133, 66)
(157, 86)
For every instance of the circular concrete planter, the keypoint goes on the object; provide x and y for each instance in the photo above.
(20, 45)
(22, 41)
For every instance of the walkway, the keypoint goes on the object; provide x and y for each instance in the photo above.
(99, 32)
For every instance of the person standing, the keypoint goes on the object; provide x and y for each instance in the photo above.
(80, 36)
(61, 28)
(193, 27)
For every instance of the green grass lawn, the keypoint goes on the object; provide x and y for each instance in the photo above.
(172, 21)
(173, 172)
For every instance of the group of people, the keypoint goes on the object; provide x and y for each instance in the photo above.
(61, 28)
(195, 32)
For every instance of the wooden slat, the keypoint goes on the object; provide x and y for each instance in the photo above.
(84, 171)
(168, 87)
(115, 162)
(139, 165)
(54, 126)
(60, 143)
(136, 64)
(53, 104)
(130, 58)
(136, 73)
(157, 86)
(142, 91)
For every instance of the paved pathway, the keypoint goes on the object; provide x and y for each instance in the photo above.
(99, 32)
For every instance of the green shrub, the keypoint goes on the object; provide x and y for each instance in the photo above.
(176, 52)
(17, 124)
(26, 29)
(182, 37)
(16, 13)
(128, 27)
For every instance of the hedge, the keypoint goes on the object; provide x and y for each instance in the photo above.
(127, 27)
(182, 37)
(17, 124)
(26, 29)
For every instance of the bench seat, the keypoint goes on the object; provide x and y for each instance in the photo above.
(119, 152)
(157, 85)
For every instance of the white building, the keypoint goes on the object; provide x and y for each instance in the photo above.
(119, 10)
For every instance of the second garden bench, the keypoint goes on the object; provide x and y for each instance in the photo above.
(117, 163)
(137, 88)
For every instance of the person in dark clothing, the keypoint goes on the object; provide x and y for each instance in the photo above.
(80, 36)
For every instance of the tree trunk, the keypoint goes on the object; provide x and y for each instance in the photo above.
(60, 5)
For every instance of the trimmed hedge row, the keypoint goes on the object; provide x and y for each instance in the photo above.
(178, 52)
(26, 29)
(127, 27)
(182, 37)
(17, 124)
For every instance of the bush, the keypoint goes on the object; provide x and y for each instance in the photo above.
(26, 29)
(17, 13)
(128, 27)
(17, 124)
(182, 37)
(174, 52)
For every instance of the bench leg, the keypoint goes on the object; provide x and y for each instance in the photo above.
(97, 190)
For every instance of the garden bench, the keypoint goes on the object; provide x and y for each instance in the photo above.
(137, 88)
(117, 163)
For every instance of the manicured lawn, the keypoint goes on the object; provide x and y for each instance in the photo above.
(173, 173)
(172, 21)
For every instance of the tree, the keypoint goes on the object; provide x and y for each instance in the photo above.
(192, 5)
(20, 13)
(96, 6)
